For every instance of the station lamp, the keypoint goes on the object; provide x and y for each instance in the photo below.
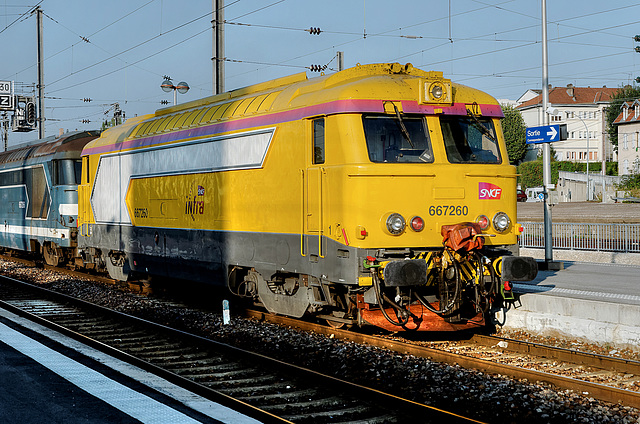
(167, 86)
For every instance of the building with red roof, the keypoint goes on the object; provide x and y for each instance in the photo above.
(582, 110)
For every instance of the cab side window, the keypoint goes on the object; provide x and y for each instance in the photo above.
(318, 141)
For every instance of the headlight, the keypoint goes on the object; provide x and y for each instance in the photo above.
(501, 222)
(437, 91)
(395, 224)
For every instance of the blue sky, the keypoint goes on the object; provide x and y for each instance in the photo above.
(493, 45)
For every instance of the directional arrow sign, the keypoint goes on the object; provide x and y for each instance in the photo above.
(543, 134)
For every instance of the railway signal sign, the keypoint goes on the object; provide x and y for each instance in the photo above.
(546, 134)
(6, 95)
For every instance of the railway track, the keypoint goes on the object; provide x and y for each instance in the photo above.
(602, 377)
(267, 389)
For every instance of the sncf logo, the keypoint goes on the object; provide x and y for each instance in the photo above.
(488, 191)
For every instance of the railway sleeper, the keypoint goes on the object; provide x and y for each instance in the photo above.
(212, 376)
(204, 368)
(157, 349)
(242, 384)
(287, 396)
(206, 360)
(326, 404)
(182, 357)
(345, 413)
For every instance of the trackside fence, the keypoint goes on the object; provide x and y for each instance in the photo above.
(623, 238)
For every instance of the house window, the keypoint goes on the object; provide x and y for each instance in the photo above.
(625, 166)
(625, 139)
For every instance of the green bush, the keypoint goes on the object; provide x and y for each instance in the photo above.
(531, 172)
(630, 183)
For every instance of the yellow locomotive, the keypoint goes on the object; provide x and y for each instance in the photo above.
(380, 194)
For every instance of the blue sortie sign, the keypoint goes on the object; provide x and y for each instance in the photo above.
(543, 134)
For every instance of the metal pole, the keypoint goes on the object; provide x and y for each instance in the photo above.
(40, 75)
(587, 131)
(588, 191)
(340, 61)
(218, 46)
(604, 161)
(546, 149)
(5, 130)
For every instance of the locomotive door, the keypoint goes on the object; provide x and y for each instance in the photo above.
(313, 197)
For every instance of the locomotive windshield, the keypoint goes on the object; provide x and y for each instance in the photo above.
(468, 139)
(397, 139)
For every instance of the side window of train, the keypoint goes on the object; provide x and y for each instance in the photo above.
(66, 172)
(85, 166)
(318, 141)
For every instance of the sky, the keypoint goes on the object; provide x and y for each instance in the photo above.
(119, 51)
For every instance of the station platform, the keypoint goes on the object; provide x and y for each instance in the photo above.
(48, 377)
(596, 302)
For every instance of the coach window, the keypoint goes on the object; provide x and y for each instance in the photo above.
(67, 172)
(318, 141)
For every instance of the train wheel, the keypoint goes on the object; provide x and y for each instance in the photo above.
(340, 313)
(52, 254)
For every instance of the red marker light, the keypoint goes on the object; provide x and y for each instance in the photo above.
(417, 224)
(483, 221)
(508, 286)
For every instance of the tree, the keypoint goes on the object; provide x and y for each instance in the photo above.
(624, 94)
(515, 134)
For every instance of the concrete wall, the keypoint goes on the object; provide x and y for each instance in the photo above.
(572, 187)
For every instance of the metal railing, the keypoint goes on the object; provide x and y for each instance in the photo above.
(598, 237)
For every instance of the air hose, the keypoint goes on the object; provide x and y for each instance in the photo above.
(402, 312)
(452, 302)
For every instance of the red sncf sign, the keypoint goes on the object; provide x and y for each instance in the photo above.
(488, 191)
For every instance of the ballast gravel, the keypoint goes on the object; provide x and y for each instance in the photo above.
(488, 398)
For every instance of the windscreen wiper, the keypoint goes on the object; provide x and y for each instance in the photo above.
(481, 127)
(403, 129)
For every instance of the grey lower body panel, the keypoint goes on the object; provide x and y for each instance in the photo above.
(206, 256)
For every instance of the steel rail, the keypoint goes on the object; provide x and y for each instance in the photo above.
(595, 390)
(594, 360)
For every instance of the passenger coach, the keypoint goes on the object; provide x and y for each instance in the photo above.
(39, 197)
(379, 194)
